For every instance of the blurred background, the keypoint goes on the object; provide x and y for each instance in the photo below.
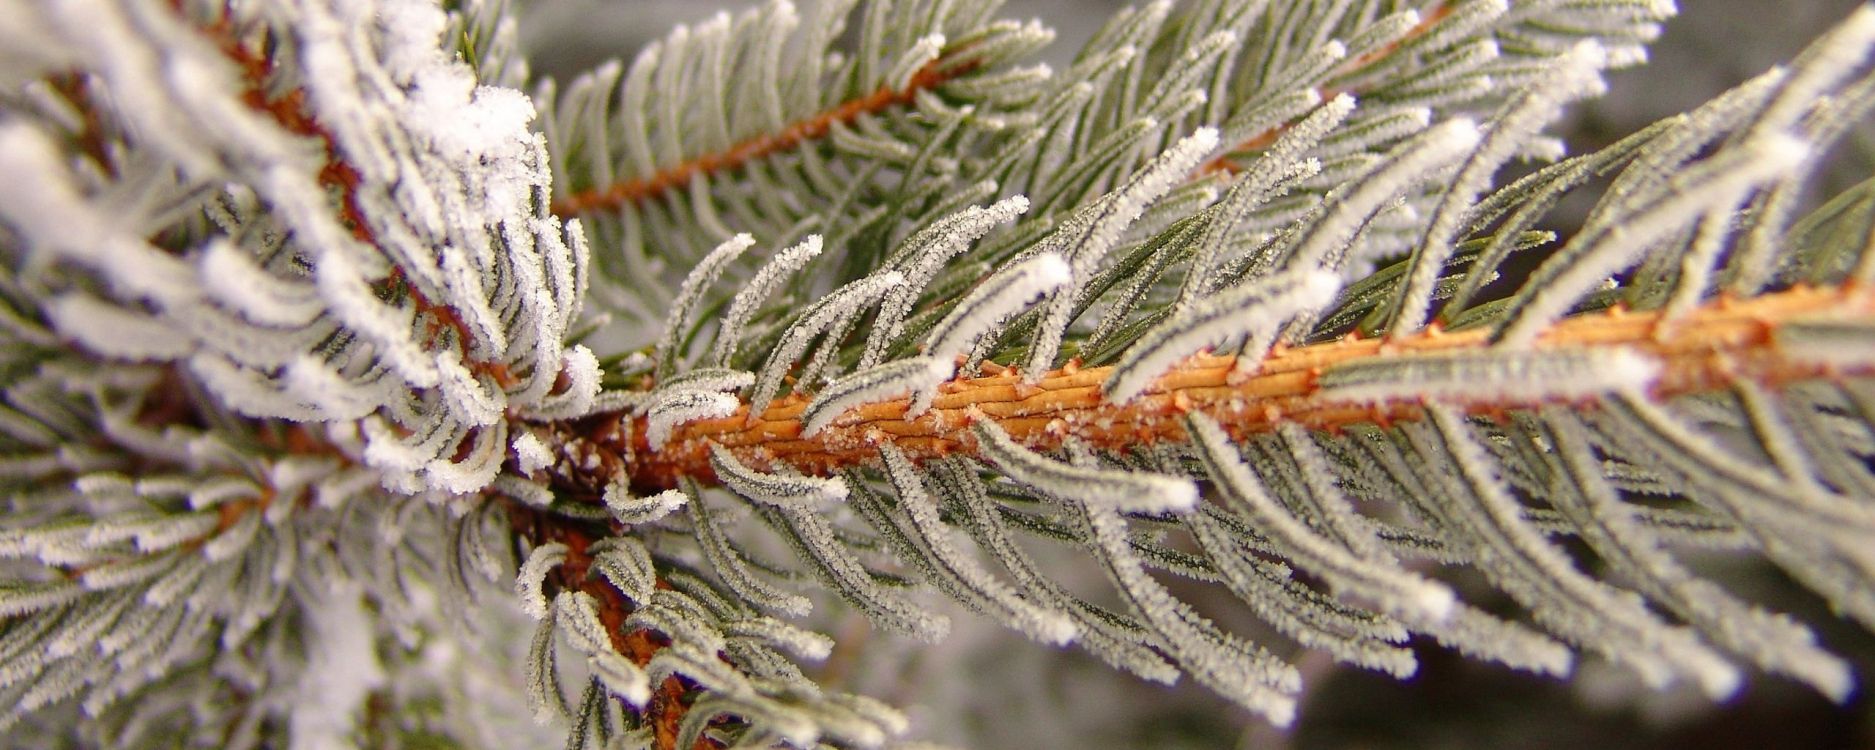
(988, 688)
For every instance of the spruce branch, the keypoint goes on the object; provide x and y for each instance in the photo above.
(1714, 347)
(292, 328)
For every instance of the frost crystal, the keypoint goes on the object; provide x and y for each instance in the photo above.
(530, 581)
(882, 382)
(781, 490)
(1253, 311)
(1114, 488)
(994, 300)
(672, 409)
(1515, 377)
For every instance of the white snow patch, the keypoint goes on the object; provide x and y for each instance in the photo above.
(341, 670)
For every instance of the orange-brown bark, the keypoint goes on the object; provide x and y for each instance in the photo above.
(932, 75)
(1721, 343)
(671, 698)
(1262, 140)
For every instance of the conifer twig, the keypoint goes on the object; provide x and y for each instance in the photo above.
(671, 699)
(1223, 162)
(1725, 341)
(640, 189)
(289, 110)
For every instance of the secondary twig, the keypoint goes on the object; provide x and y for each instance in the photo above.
(1223, 163)
(671, 699)
(640, 189)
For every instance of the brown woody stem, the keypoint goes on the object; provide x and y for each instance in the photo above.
(932, 75)
(1718, 344)
(1261, 140)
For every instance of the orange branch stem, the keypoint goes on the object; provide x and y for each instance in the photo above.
(1716, 345)
(1224, 163)
(671, 699)
(932, 75)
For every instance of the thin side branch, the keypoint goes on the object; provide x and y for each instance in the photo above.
(1224, 163)
(1721, 343)
(672, 698)
(638, 190)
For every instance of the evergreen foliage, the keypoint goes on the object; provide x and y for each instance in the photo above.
(329, 354)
